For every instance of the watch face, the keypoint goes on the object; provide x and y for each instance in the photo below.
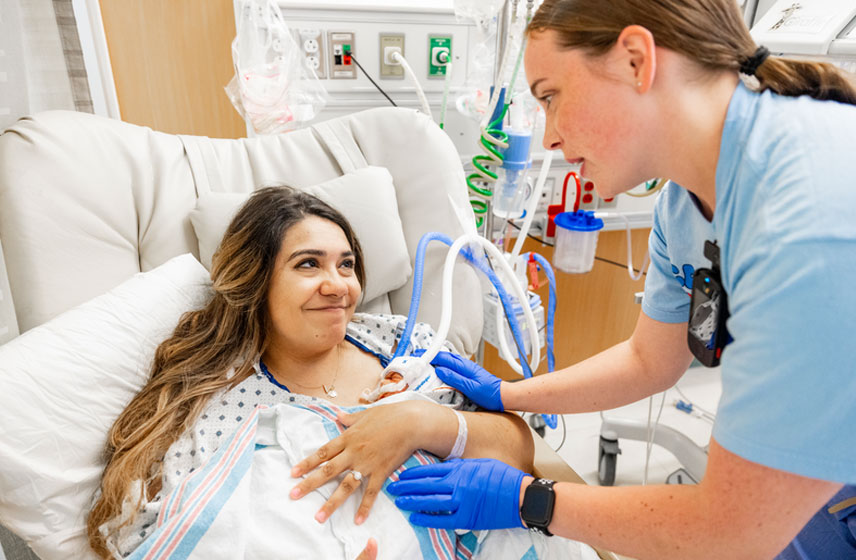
(537, 504)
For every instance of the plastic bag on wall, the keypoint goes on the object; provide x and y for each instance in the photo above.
(273, 89)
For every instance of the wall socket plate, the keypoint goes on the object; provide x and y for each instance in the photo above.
(589, 200)
(546, 195)
(394, 71)
(341, 65)
(312, 45)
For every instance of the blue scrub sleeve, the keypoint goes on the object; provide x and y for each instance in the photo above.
(665, 299)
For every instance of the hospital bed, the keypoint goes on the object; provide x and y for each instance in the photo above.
(87, 203)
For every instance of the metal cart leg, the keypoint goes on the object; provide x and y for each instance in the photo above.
(691, 456)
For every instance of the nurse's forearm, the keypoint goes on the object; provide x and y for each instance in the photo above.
(502, 436)
(658, 522)
(607, 380)
(650, 361)
(739, 510)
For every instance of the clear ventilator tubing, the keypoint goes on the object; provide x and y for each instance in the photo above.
(533, 204)
(446, 83)
(633, 276)
(446, 313)
(399, 58)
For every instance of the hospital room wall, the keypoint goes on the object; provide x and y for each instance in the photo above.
(171, 60)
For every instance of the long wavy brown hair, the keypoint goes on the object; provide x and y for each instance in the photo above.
(193, 364)
(710, 32)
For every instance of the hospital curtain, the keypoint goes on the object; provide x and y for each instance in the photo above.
(41, 62)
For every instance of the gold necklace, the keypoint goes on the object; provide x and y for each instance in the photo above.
(329, 391)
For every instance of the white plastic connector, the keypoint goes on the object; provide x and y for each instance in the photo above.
(440, 56)
(389, 56)
(413, 371)
(412, 368)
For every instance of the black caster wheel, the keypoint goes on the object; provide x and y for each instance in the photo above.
(538, 424)
(607, 458)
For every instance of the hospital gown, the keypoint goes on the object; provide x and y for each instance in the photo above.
(249, 513)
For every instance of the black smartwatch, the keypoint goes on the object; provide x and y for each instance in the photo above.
(537, 508)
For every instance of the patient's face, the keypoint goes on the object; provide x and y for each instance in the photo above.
(314, 288)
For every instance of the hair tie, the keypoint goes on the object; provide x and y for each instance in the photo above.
(750, 64)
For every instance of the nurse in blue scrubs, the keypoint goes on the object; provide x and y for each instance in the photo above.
(635, 89)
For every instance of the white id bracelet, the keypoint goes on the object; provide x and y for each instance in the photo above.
(461, 440)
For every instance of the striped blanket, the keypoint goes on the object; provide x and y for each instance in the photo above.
(237, 506)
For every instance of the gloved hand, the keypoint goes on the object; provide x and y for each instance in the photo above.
(481, 386)
(461, 494)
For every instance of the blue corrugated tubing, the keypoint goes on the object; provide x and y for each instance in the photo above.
(550, 419)
(481, 265)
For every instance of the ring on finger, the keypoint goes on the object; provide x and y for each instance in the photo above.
(358, 476)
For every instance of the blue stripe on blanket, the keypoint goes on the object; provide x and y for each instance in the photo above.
(435, 544)
(468, 543)
(201, 524)
(530, 554)
(199, 504)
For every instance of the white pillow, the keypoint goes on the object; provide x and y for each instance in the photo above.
(365, 197)
(8, 322)
(63, 385)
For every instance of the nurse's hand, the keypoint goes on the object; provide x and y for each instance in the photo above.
(481, 386)
(461, 494)
(378, 440)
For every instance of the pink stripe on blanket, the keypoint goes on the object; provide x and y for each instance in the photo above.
(172, 535)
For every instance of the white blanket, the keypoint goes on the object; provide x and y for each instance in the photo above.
(237, 505)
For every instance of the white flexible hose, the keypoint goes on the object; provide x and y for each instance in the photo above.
(504, 351)
(446, 313)
(533, 204)
(446, 83)
(633, 276)
(399, 58)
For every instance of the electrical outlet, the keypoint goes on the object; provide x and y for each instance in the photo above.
(342, 43)
(556, 193)
(439, 46)
(546, 195)
(589, 200)
(311, 45)
(389, 42)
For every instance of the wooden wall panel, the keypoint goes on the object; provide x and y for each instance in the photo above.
(171, 60)
(595, 310)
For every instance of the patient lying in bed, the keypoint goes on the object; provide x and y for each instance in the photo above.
(215, 457)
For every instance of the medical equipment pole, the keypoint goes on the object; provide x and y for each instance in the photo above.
(502, 29)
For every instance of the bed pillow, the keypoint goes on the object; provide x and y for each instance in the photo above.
(8, 322)
(64, 383)
(365, 197)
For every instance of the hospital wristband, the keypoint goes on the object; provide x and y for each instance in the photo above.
(460, 441)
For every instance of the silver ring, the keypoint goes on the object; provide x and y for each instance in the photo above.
(358, 476)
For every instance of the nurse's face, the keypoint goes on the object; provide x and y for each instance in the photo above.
(588, 112)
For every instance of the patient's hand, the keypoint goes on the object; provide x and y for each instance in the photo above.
(369, 552)
(378, 440)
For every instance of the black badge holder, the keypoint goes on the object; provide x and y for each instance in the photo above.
(706, 331)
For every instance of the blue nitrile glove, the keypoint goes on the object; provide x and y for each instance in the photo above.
(461, 494)
(481, 386)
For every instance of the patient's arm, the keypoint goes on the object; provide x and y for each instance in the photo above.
(381, 438)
